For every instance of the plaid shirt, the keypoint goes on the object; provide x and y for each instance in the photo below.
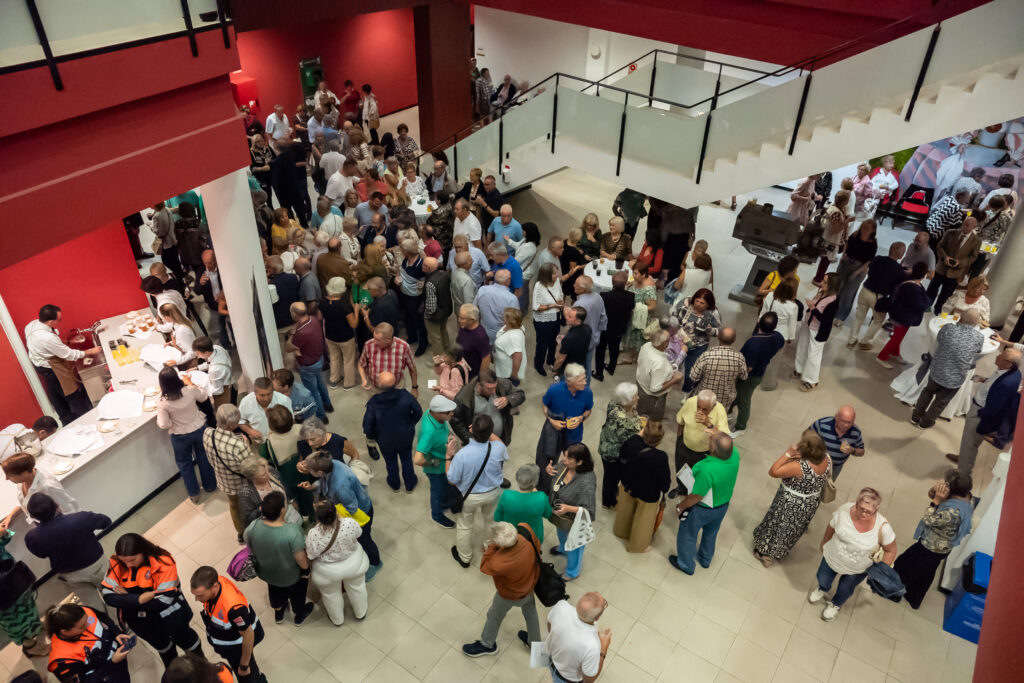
(395, 359)
(225, 451)
(945, 215)
(717, 370)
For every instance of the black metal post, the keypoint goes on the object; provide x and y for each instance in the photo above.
(924, 70)
(554, 116)
(707, 127)
(654, 73)
(622, 135)
(455, 153)
(800, 110)
(51, 63)
(187, 16)
(501, 137)
(223, 19)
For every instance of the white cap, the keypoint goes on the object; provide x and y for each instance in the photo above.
(441, 404)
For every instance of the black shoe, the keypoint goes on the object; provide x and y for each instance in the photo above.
(610, 370)
(674, 493)
(505, 483)
(279, 615)
(326, 420)
(540, 371)
(556, 551)
(146, 254)
(455, 554)
(329, 409)
(299, 618)
(421, 350)
(600, 378)
(1001, 162)
(478, 649)
(524, 638)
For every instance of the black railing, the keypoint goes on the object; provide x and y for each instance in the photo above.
(879, 36)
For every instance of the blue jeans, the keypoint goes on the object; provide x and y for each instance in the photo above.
(688, 362)
(438, 494)
(392, 459)
(312, 377)
(847, 582)
(184, 445)
(701, 519)
(574, 558)
(555, 676)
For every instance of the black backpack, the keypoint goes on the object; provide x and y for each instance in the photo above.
(550, 588)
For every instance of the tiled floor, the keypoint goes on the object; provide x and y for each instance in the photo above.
(736, 621)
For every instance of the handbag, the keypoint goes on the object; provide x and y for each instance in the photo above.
(880, 551)
(16, 579)
(660, 516)
(550, 586)
(373, 449)
(455, 496)
(561, 523)
(374, 122)
(922, 370)
(559, 317)
(158, 246)
(828, 491)
(242, 566)
(362, 471)
(582, 531)
(640, 313)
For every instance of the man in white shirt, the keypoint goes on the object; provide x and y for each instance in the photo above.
(277, 125)
(215, 361)
(576, 647)
(332, 160)
(467, 224)
(253, 408)
(341, 182)
(655, 376)
(53, 360)
(316, 124)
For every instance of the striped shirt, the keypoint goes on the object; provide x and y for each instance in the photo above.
(394, 359)
(945, 215)
(826, 429)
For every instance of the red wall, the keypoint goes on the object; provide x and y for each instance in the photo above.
(376, 48)
(90, 277)
(17, 402)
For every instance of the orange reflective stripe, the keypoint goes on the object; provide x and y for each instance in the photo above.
(159, 575)
(224, 674)
(76, 650)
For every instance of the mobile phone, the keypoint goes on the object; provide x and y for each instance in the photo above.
(130, 643)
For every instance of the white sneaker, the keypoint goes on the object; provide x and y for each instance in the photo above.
(830, 612)
(815, 596)
(884, 363)
(738, 433)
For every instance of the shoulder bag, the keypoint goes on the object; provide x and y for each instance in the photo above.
(880, 551)
(16, 579)
(562, 523)
(828, 491)
(455, 495)
(550, 586)
(216, 452)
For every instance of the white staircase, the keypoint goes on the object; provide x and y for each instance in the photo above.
(854, 111)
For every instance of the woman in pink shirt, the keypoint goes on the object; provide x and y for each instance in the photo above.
(452, 371)
(177, 412)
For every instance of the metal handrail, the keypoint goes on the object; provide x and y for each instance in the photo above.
(676, 55)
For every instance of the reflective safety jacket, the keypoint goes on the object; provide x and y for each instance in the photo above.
(159, 575)
(85, 657)
(229, 615)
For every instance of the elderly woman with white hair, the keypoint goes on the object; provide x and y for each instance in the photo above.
(261, 480)
(313, 437)
(621, 422)
(617, 244)
(853, 537)
(340, 319)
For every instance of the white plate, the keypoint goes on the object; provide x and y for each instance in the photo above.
(151, 391)
(62, 467)
(106, 426)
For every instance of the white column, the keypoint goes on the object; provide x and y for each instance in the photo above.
(21, 351)
(1006, 277)
(240, 262)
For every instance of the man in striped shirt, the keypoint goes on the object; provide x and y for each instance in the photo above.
(384, 353)
(841, 436)
(946, 215)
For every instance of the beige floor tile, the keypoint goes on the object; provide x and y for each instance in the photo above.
(686, 663)
(740, 578)
(766, 630)
(629, 594)
(726, 677)
(707, 639)
(418, 651)
(832, 633)
(290, 662)
(849, 669)
(647, 649)
(788, 673)
(321, 675)
(620, 624)
(443, 618)
(318, 637)
(749, 662)
(354, 659)
(867, 644)
(620, 670)
(667, 617)
(384, 627)
(725, 608)
(455, 666)
(414, 596)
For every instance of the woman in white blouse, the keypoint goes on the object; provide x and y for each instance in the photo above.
(348, 207)
(971, 298)
(20, 470)
(547, 304)
(853, 535)
(510, 348)
(182, 334)
(338, 559)
(178, 413)
(412, 184)
(783, 302)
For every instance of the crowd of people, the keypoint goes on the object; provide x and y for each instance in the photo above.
(364, 290)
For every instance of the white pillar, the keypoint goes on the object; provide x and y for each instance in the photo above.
(232, 223)
(1006, 277)
(21, 351)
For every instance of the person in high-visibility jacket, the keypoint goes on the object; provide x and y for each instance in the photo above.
(143, 585)
(232, 627)
(86, 646)
(193, 668)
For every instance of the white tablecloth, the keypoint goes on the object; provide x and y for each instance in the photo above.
(603, 281)
(908, 388)
(422, 214)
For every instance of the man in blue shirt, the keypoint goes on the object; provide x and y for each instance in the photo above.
(842, 437)
(505, 228)
(365, 210)
(476, 471)
(460, 243)
(303, 405)
(502, 261)
(339, 484)
(758, 352)
(324, 208)
(492, 300)
(566, 405)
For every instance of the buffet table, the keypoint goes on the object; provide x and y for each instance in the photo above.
(601, 270)
(134, 460)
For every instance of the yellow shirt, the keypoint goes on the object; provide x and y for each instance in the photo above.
(774, 279)
(694, 435)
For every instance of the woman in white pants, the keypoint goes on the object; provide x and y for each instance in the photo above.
(333, 548)
(814, 332)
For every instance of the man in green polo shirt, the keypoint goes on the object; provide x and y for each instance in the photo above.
(431, 449)
(715, 474)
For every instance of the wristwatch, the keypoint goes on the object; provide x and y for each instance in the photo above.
(415, 386)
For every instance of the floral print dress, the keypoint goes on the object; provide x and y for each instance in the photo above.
(634, 338)
(791, 512)
(618, 426)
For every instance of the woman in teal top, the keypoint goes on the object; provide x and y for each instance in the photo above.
(527, 505)
(431, 453)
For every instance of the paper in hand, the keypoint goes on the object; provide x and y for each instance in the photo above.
(539, 657)
(685, 477)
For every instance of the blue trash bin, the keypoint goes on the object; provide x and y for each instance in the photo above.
(966, 604)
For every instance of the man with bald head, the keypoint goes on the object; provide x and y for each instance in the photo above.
(957, 349)
(993, 412)
(437, 304)
(385, 353)
(333, 264)
(842, 437)
(718, 369)
(462, 284)
(504, 229)
(306, 341)
(309, 286)
(492, 300)
(701, 512)
(576, 646)
(698, 417)
(390, 420)
(384, 307)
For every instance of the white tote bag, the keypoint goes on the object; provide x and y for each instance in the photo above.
(581, 532)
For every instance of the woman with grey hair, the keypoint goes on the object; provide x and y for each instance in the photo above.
(854, 534)
(620, 423)
(261, 480)
(313, 436)
(410, 294)
(527, 505)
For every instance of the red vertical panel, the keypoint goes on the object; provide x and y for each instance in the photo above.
(17, 402)
(443, 51)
